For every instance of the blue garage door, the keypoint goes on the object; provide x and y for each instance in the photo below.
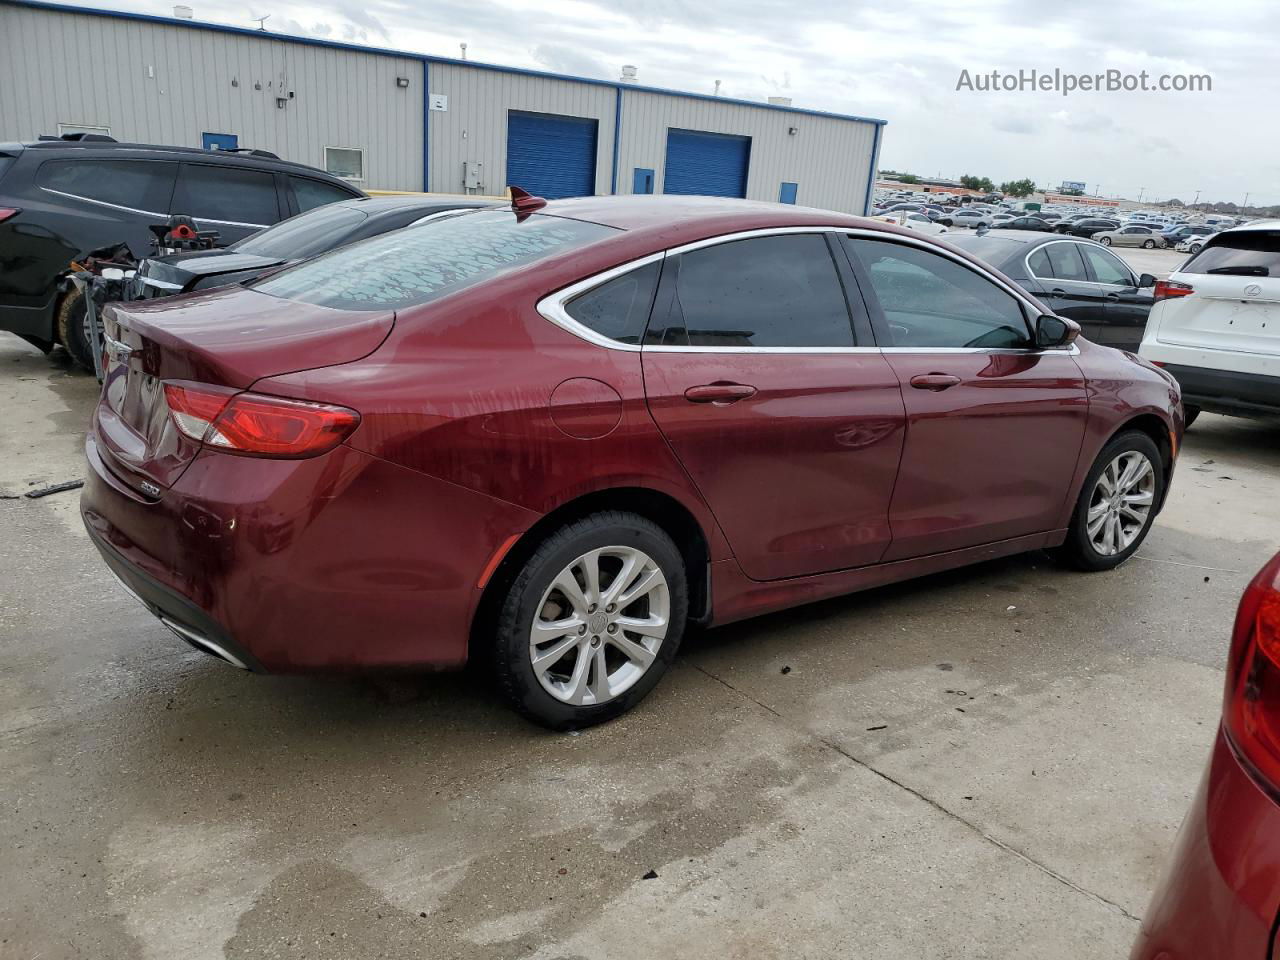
(551, 156)
(706, 164)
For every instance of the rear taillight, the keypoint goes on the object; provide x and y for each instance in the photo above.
(1252, 710)
(7, 212)
(255, 424)
(1168, 289)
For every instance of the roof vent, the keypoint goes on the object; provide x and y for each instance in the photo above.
(780, 101)
(628, 74)
(183, 12)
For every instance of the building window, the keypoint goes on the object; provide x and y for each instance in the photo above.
(66, 128)
(344, 162)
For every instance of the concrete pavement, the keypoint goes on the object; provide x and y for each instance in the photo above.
(987, 763)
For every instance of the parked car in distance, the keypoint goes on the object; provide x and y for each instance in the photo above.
(1216, 323)
(1086, 227)
(1193, 243)
(1220, 896)
(62, 198)
(1025, 223)
(1180, 231)
(306, 235)
(478, 382)
(1077, 279)
(966, 217)
(1146, 237)
(914, 221)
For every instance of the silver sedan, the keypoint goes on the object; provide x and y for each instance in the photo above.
(1134, 236)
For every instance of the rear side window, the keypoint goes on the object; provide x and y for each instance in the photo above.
(931, 301)
(423, 263)
(619, 309)
(229, 194)
(1107, 268)
(1058, 261)
(778, 291)
(1249, 253)
(144, 185)
(316, 193)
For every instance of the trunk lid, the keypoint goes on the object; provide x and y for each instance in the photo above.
(226, 339)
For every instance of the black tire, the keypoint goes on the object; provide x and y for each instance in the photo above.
(511, 663)
(1189, 414)
(70, 322)
(1078, 550)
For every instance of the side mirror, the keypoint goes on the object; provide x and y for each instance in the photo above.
(1146, 280)
(1054, 331)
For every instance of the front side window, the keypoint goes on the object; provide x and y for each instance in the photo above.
(422, 263)
(619, 309)
(228, 194)
(780, 291)
(344, 162)
(144, 185)
(1058, 261)
(1249, 253)
(1107, 268)
(932, 301)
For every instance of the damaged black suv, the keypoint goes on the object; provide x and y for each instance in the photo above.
(60, 198)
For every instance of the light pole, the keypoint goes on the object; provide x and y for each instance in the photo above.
(1197, 199)
(1246, 202)
(1140, 190)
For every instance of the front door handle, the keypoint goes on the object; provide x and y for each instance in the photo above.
(1113, 296)
(1058, 292)
(719, 393)
(934, 381)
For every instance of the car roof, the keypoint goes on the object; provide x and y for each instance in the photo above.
(1270, 225)
(106, 148)
(390, 203)
(689, 218)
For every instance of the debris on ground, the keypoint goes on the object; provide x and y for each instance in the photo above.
(651, 875)
(786, 670)
(55, 488)
(883, 726)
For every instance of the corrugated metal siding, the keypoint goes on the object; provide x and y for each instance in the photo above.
(75, 68)
(706, 164)
(829, 158)
(474, 128)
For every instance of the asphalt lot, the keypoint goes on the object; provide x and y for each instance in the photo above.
(987, 763)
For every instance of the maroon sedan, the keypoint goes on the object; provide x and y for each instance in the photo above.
(551, 437)
(1221, 897)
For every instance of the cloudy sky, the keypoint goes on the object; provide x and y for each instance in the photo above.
(899, 60)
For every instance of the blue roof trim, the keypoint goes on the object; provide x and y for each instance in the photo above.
(426, 124)
(617, 133)
(404, 54)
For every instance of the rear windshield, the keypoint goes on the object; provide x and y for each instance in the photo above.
(1249, 253)
(994, 250)
(423, 263)
(305, 235)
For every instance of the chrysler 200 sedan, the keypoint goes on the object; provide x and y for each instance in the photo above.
(548, 438)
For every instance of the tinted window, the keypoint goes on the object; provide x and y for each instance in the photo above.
(1058, 261)
(316, 193)
(304, 235)
(994, 250)
(620, 308)
(766, 292)
(225, 193)
(931, 301)
(1248, 253)
(138, 184)
(1106, 268)
(423, 263)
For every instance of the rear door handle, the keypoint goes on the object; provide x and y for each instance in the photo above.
(1058, 292)
(934, 381)
(719, 393)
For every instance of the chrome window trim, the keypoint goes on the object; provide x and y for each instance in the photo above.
(103, 203)
(552, 306)
(235, 223)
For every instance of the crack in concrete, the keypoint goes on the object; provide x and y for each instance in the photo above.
(973, 827)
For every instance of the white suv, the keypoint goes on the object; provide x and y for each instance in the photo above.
(1216, 324)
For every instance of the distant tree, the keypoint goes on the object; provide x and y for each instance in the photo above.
(909, 178)
(970, 182)
(1173, 202)
(1018, 188)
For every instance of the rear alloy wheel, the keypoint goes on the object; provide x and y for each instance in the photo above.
(1148, 244)
(1116, 505)
(592, 621)
(1106, 241)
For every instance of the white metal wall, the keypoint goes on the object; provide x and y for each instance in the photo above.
(156, 83)
(474, 127)
(830, 158)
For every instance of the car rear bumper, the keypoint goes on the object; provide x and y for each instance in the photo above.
(334, 563)
(1219, 896)
(1227, 391)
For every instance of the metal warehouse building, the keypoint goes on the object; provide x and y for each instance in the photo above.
(392, 120)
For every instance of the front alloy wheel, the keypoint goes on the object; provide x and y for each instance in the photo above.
(1121, 503)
